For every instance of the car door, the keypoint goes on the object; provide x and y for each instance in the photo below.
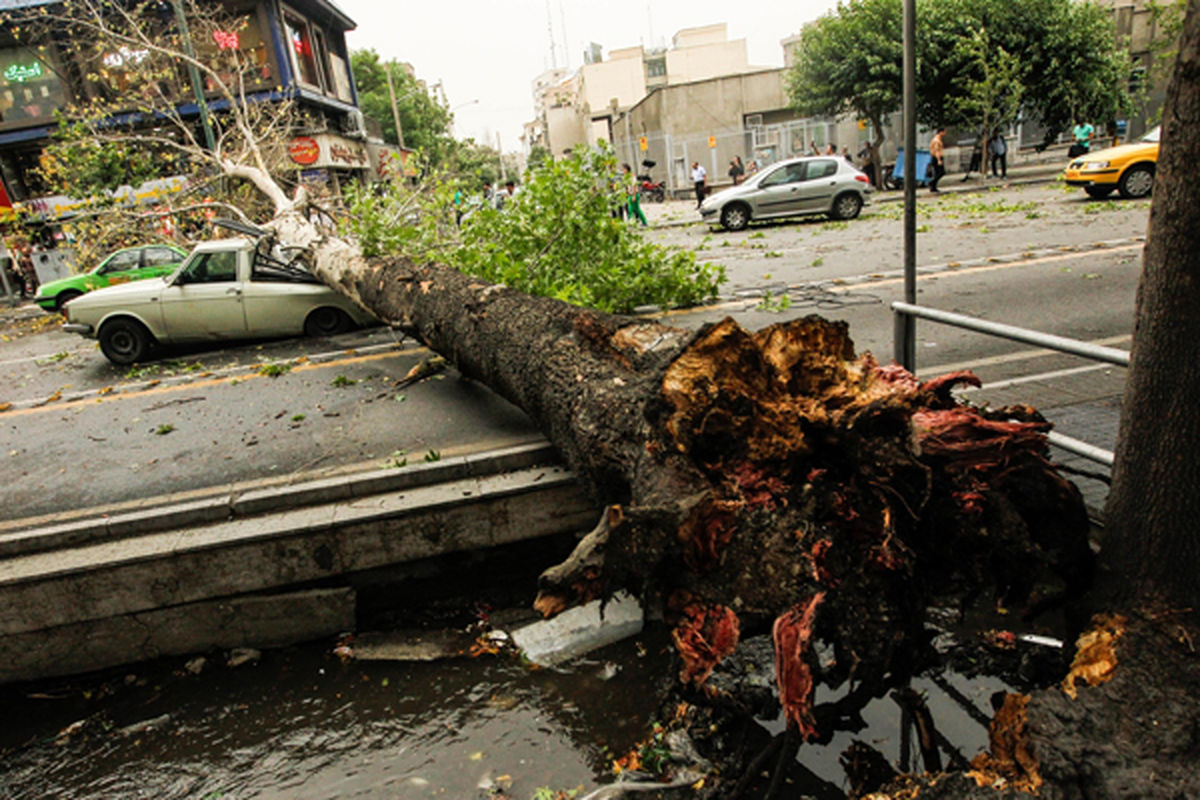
(121, 267)
(820, 184)
(158, 261)
(205, 300)
(779, 191)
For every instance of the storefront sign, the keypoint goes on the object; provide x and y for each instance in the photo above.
(19, 73)
(124, 57)
(304, 150)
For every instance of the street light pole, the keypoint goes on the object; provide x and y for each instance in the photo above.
(395, 109)
(197, 86)
(906, 324)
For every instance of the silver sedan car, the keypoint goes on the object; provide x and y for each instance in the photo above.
(796, 187)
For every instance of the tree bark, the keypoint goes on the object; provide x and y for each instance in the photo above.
(753, 476)
(1152, 539)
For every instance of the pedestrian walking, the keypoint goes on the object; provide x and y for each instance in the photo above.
(699, 179)
(868, 163)
(1083, 139)
(998, 148)
(633, 196)
(937, 155)
(736, 170)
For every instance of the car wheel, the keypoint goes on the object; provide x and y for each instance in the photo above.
(1098, 192)
(63, 298)
(327, 321)
(735, 216)
(124, 341)
(1136, 182)
(846, 206)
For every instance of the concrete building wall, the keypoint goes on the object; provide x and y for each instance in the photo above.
(564, 129)
(701, 35)
(623, 79)
(699, 62)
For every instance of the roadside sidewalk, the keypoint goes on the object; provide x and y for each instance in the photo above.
(678, 213)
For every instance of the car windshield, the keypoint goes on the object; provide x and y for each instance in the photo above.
(1153, 134)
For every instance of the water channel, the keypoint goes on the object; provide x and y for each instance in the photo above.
(303, 724)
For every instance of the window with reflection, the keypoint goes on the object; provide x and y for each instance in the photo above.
(237, 48)
(304, 56)
(30, 87)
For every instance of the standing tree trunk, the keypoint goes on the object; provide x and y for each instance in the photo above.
(1152, 538)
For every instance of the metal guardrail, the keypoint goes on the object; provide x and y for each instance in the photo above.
(1108, 355)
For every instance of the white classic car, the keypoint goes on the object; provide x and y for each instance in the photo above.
(225, 289)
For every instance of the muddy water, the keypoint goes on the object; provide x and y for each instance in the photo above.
(301, 724)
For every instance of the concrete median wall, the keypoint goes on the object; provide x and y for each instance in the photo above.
(246, 580)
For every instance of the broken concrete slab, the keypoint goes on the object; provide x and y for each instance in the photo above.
(580, 630)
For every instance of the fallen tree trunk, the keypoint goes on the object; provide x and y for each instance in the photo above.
(751, 477)
(769, 478)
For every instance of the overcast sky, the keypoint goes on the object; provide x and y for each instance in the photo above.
(487, 52)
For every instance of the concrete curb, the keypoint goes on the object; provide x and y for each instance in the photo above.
(254, 502)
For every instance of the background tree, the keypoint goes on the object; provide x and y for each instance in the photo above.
(992, 91)
(424, 119)
(1071, 65)
(849, 62)
(1063, 54)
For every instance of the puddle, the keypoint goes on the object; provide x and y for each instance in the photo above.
(301, 724)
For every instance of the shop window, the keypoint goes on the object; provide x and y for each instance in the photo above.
(341, 78)
(304, 55)
(237, 47)
(30, 89)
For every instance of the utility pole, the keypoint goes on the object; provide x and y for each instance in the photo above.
(906, 325)
(197, 86)
(395, 109)
(500, 150)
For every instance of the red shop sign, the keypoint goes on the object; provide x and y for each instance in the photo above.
(304, 150)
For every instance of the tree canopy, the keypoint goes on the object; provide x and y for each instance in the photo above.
(1064, 56)
(424, 119)
(849, 62)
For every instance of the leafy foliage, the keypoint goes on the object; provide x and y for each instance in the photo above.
(557, 238)
(992, 89)
(1063, 54)
(849, 62)
(424, 120)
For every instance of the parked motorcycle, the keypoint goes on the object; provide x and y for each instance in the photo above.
(654, 192)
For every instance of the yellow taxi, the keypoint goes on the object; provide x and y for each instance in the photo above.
(1128, 168)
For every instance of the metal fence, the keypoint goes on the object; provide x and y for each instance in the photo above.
(1062, 344)
(673, 156)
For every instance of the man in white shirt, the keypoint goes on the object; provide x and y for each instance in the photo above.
(699, 177)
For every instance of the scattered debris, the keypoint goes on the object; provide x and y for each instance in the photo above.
(145, 725)
(580, 630)
(242, 655)
(413, 645)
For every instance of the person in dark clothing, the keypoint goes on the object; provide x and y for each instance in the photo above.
(937, 157)
(998, 150)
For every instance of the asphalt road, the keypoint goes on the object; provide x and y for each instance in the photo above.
(79, 433)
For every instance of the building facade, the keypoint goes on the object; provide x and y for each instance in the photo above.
(585, 107)
(296, 50)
